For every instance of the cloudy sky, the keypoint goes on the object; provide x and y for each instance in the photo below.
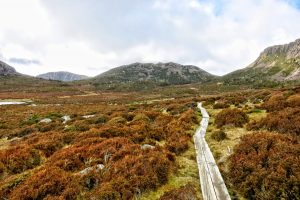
(92, 36)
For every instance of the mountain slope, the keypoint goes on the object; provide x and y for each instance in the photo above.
(278, 63)
(13, 81)
(6, 70)
(145, 75)
(62, 76)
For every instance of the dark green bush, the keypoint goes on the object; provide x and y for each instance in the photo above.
(219, 135)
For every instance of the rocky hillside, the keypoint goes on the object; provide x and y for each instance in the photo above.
(141, 75)
(6, 70)
(62, 76)
(277, 63)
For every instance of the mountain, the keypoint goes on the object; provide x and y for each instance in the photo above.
(13, 81)
(6, 70)
(145, 75)
(278, 63)
(62, 76)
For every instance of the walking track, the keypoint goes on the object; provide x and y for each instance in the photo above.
(211, 181)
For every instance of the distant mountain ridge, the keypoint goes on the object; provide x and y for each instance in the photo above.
(6, 70)
(150, 74)
(62, 76)
(277, 63)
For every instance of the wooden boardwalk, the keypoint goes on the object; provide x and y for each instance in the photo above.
(211, 181)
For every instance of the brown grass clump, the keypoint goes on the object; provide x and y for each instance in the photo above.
(233, 117)
(266, 166)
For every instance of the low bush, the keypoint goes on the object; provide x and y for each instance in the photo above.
(233, 117)
(23, 132)
(266, 166)
(18, 159)
(219, 135)
(178, 145)
(286, 121)
(220, 105)
(81, 126)
(102, 119)
(236, 99)
(48, 183)
(275, 103)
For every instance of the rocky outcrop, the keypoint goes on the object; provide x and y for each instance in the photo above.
(6, 70)
(291, 50)
(62, 76)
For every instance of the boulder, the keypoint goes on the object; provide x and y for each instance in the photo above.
(46, 120)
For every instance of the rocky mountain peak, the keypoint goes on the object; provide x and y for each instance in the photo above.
(6, 70)
(290, 50)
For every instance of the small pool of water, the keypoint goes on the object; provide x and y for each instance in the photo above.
(11, 102)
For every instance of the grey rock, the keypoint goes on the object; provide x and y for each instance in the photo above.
(88, 116)
(147, 146)
(89, 169)
(62, 76)
(66, 118)
(99, 167)
(46, 120)
(86, 170)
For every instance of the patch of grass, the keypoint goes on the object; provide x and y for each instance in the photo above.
(255, 110)
(187, 173)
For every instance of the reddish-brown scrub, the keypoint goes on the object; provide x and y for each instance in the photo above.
(266, 166)
(233, 117)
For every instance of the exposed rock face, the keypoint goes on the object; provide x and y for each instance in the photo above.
(277, 63)
(154, 74)
(291, 50)
(62, 76)
(6, 70)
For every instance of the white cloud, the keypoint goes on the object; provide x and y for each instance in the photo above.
(89, 37)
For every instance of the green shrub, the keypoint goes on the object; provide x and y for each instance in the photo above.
(102, 119)
(219, 135)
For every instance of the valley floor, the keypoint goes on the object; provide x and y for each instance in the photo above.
(113, 145)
